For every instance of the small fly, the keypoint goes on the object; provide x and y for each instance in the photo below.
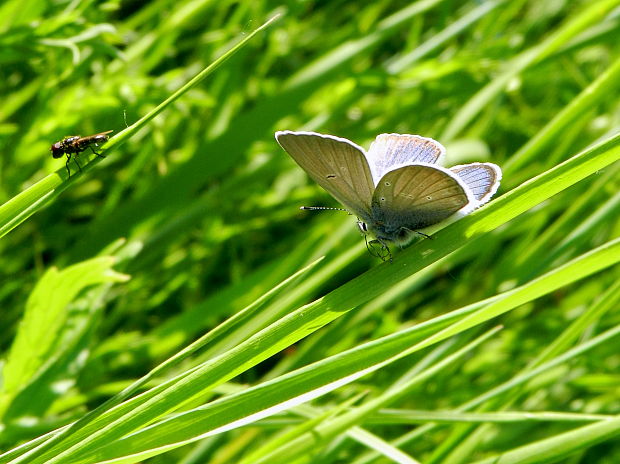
(75, 144)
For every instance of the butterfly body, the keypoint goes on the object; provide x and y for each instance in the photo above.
(396, 188)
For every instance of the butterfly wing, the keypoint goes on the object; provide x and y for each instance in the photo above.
(336, 164)
(481, 178)
(417, 196)
(394, 150)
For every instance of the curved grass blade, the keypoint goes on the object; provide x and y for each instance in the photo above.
(583, 19)
(25, 204)
(334, 369)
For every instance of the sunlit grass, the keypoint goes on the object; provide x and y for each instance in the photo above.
(171, 304)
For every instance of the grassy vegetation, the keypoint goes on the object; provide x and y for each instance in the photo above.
(172, 304)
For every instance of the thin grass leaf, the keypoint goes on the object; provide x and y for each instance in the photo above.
(28, 202)
(202, 211)
(604, 86)
(593, 14)
(400, 64)
(559, 447)
(307, 442)
(308, 319)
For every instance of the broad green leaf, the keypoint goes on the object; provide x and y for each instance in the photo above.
(44, 317)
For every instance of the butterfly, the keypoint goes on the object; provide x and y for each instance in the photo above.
(396, 188)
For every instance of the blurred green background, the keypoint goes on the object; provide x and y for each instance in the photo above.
(201, 207)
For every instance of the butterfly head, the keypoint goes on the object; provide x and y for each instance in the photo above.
(378, 230)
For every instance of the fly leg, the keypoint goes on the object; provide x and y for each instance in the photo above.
(67, 164)
(98, 154)
(78, 164)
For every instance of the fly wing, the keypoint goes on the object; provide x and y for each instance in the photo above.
(389, 151)
(336, 164)
(418, 196)
(481, 178)
(95, 138)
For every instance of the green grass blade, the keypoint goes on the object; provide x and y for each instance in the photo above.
(400, 64)
(559, 447)
(28, 202)
(579, 268)
(606, 84)
(594, 13)
(292, 328)
(44, 317)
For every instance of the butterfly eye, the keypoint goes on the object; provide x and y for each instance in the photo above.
(363, 227)
(387, 184)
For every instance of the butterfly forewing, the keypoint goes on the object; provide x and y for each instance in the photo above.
(417, 196)
(337, 165)
(481, 178)
(390, 150)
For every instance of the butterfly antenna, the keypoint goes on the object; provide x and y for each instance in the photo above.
(323, 208)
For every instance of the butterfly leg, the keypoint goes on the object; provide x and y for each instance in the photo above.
(386, 253)
(372, 248)
(416, 232)
(383, 252)
(367, 245)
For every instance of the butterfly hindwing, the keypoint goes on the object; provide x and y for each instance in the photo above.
(417, 196)
(481, 178)
(336, 164)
